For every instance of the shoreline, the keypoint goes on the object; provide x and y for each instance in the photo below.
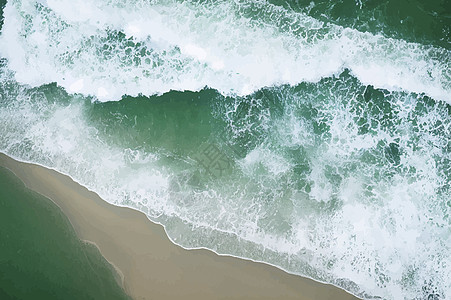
(148, 263)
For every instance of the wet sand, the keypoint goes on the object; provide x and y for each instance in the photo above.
(149, 264)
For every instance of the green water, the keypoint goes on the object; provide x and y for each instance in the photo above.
(427, 22)
(40, 255)
(312, 135)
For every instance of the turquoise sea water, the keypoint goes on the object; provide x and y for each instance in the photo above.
(311, 135)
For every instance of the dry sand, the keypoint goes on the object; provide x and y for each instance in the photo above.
(151, 266)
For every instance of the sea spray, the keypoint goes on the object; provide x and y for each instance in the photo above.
(327, 161)
(108, 49)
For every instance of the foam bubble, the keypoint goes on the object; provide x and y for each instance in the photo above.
(151, 48)
(347, 182)
(314, 203)
(77, 86)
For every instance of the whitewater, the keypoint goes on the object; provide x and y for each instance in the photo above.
(335, 143)
(106, 49)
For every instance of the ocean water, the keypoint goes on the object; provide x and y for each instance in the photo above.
(311, 135)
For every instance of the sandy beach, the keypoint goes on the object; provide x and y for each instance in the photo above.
(149, 264)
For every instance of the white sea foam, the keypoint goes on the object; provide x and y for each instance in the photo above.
(185, 45)
(391, 242)
(372, 240)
